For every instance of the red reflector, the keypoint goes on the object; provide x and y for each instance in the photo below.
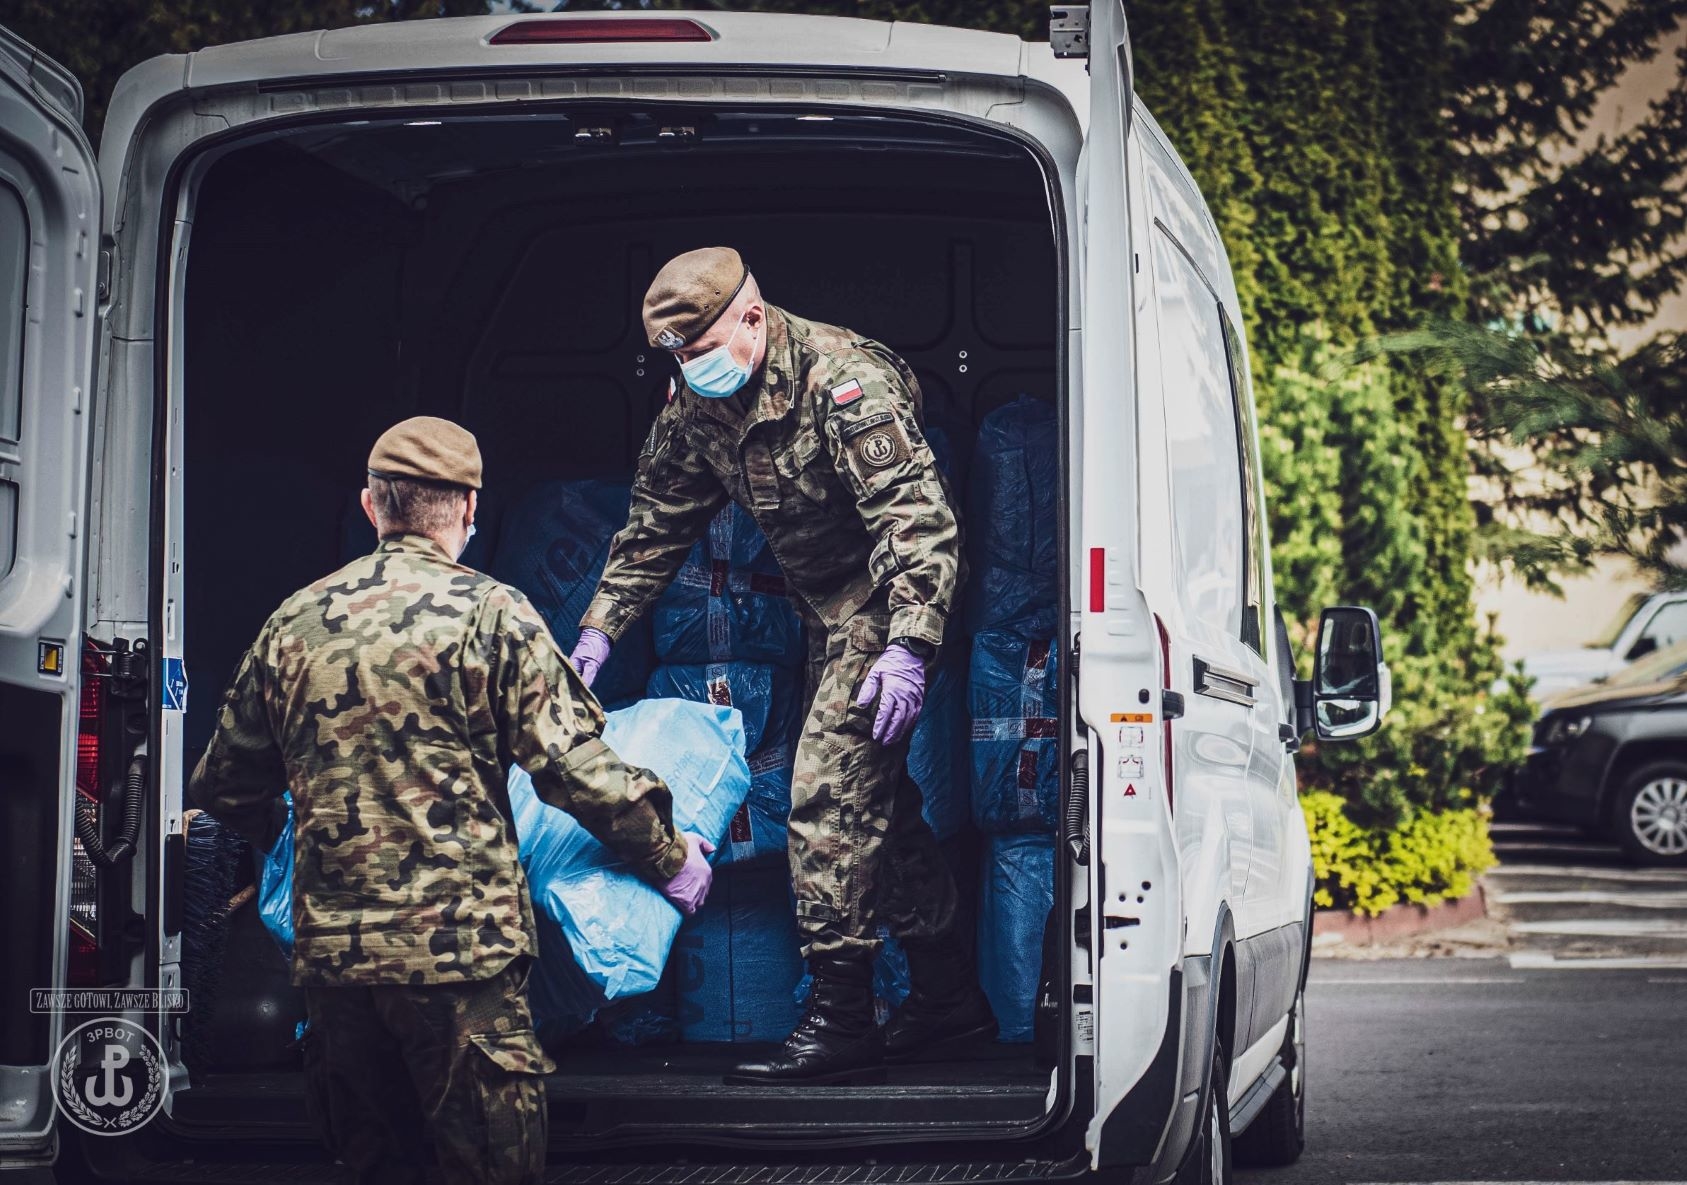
(84, 968)
(88, 726)
(1098, 579)
(586, 30)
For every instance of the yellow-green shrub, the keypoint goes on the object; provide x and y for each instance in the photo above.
(1433, 856)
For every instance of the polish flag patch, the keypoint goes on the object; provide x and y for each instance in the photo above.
(847, 393)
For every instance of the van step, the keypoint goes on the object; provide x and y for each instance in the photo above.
(951, 1173)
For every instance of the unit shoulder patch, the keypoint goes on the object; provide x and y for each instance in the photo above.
(880, 447)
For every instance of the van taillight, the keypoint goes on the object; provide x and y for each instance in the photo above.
(84, 968)
(1165, 719)
(592, 30)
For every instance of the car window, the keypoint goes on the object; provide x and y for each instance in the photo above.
(1253, 526)
(1205, 442)
(1607, 637)
(1658, 667)
(1667, 627)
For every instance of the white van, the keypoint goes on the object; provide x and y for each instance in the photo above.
(289, 244)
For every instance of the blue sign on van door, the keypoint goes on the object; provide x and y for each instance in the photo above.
(174, 684)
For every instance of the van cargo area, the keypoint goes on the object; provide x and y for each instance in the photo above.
(342, 276)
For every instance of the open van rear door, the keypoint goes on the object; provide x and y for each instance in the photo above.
(1137, 917)
(49, 229)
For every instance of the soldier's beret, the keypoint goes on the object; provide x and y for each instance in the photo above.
(428, 448)
(690, 293)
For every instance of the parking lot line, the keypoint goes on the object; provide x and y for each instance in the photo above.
(1540, 961)
(1641, 899)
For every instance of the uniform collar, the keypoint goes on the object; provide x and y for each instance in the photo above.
(768, 393)
(411, 544)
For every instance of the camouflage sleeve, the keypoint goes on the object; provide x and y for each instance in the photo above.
(552, 727)
(241, 778)
(873, 435)
(674, 497)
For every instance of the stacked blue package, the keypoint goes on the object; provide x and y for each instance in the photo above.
(758, 830)
(728, 602)
(767, 695)
(937, 751)
(617, 928)
(1016, 893)
(1012, 521)
(552, 545)
(1013, 695)
(738, 959)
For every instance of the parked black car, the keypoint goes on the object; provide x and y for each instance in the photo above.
(1612, 757)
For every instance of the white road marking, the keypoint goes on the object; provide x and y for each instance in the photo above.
(1607, 928)
(1540, 961)
(1640, 899)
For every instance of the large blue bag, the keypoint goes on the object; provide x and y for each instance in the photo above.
(767, 695)
(1013, 503)
(1016, 893)
(758, 832)
(738, 959)
(552, 545)
(728, 601)
(275, 886)
(1013, 693)
(617, 926)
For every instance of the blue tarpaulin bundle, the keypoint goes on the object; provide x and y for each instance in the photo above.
(552, 545)
(617, 926)
(1015, 896)
(758, 830)
(1013, 694)
(738, 959)
(1013, 500)
(728, 601)
(767, 695)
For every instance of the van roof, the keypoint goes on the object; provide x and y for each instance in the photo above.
(463, 43)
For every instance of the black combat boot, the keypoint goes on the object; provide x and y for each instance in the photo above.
(837, 1042)
(945, 1005)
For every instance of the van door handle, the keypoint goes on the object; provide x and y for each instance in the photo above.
(1216, 682)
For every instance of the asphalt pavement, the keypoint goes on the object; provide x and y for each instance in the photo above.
(1560, 1057)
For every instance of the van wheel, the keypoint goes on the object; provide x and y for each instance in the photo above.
(1209, 1160)
(1277, 1135)
(1649, 816)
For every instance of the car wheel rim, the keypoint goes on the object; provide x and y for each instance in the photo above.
(1658, 817)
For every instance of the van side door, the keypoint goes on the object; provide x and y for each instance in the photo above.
(49, 228)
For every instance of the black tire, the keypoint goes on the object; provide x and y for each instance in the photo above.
(1211, 1161)
(1649, 815)
(1277, 1136)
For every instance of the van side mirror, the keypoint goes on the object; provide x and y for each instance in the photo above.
(1641, 648)
(1351, 689)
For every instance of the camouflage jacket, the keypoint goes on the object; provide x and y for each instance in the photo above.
(831, 462)
(392, 697)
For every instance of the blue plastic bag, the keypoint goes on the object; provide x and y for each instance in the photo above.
(738, 959)
(617, 927)
(758, 831)
(1013, 693)
(767, 695)
(552, 545)
(728, 601)
(1013, 502)
(1016, 893)
(275, 886)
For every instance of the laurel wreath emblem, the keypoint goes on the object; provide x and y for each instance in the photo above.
(71, 1100)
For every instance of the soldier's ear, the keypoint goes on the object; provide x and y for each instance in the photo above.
(368, 502)
(474, 505)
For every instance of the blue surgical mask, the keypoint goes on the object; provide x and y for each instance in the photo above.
(466, 538)
(717, 374)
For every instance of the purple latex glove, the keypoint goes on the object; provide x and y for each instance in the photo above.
(899, 680)
(590, 653)
(690, 886)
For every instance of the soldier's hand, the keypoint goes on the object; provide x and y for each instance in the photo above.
(590, 653)
(898, 680)
(690, 886)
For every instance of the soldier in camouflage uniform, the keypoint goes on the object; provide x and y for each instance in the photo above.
(392, 697)
(817, 433)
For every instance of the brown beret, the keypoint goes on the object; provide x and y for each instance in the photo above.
(429, 448)
(690, 293)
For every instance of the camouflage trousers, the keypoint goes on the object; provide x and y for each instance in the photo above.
(391, 1070)
(862, 855)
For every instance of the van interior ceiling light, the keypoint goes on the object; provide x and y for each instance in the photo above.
(594, 30)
